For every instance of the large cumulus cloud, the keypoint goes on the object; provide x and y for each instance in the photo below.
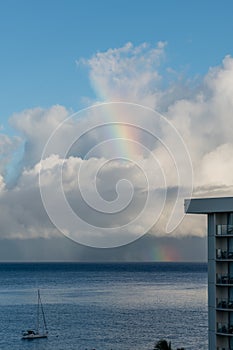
(202, 114)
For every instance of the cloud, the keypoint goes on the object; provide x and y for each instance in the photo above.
(8, 145)
(205, 122)
(114, 157)
(35, 127)
(128, 73)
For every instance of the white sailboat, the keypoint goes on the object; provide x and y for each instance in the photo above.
(41, 330)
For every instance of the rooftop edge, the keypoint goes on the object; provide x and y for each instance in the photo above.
(208, 205)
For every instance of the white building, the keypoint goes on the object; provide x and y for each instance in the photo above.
(220, 267)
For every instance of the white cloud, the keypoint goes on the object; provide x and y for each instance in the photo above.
(2, 183)
(35, 126)
(202, 115)
(216, 168)
(205, 122)
(8, 145)
(129, 73)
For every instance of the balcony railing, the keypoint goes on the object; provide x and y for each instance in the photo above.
(224, 230)
(224, 254)
(224, 304)
(224, 279)
(225, 329)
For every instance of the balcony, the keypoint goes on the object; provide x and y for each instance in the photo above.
(224, 304)
(224, 279)
(224, 329)
(224, 254)
(224, 230)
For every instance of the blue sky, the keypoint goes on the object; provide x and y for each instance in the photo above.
(61, 56)
(41, 40)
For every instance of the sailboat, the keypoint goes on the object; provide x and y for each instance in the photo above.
(41, 330)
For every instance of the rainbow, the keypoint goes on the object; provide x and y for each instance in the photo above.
(160, 252)
(121, 130)
(164, 253)
(129, 146)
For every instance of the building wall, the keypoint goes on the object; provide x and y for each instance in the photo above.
(211, 281)
(220, 267)
(216, 292)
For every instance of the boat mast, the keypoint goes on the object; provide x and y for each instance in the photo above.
(38, 313)
(42, 310)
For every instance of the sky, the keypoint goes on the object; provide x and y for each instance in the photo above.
(112, 112)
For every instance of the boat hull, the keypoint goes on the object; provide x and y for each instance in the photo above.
(34, 336)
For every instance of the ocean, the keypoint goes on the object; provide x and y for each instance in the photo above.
(118, 306)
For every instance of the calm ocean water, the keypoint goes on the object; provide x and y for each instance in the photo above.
(105, 306)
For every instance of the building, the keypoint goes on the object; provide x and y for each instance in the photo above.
(220, 267)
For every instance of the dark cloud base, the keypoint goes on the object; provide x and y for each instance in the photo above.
(190, 249)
